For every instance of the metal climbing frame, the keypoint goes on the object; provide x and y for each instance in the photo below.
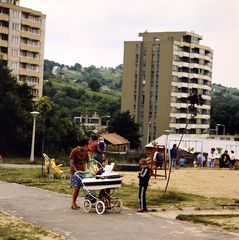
(154, 163)
(177, 141)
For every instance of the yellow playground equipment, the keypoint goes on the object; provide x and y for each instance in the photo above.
(56, 168)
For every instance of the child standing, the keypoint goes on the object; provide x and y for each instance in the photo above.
(102, 144)
(143, 184)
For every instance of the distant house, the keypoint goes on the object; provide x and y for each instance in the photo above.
(65, 68)
(116, 140)
(62, 77)
(105, 88)
(55, 69)
(82, 69)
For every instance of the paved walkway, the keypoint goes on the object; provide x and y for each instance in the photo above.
(52, 211)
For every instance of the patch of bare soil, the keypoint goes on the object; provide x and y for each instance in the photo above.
(220, 183)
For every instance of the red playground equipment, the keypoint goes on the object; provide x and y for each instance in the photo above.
(158, 165)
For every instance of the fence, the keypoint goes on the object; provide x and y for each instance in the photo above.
(126, 157)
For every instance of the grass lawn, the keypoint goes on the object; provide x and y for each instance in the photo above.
(33, 177)
(128, 193)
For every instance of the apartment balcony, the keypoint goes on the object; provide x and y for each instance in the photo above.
(30, 35)
(208, 58)
(208, 107)
(183, 54)
(31, 23)
(204, 116)
(181, 115)
(183, 64)
(205, 126)
(182, 84)
(30, 60)
(28, 73)
(4, 17)
(182, 105)
(192, 125)
(206, 77)
(182, 95)
(3, 43)
(207, 68)
(194, 55)
(206, 87)
(4, 30)
(206, 97)
(30, 48)
(180, 125)
(193, 75)
(193, 65)
(183, 74)
(192, 85)
(4, 56)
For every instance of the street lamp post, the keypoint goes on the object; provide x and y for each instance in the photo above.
(100, 121)
(34, 114)
(223, 128)
(166, 144)
(148, 133)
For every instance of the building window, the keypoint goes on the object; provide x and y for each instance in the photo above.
(16, 14)
(175, 58)
(137, 48)
(174, 78)
(170, 38)
(145, 49)
(174, 99)
(136, 58)
(15, 39)
(195, 40)
(172, 130)
(173, 110)
(14, 52)
(15, 27)
(176, 48)
(174, 89)
(172, 120)
(201, 51)
(175, 68)
(201, 61)
(13, 65)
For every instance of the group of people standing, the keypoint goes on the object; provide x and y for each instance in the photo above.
(81, 156)
(224, 161)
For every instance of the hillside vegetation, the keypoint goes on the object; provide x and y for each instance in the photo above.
(70, 88)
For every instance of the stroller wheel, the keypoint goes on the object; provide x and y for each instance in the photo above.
(106, 202)
(51, 176)
(100, 207)
(87, 205)
(63, 176)
(118, 206)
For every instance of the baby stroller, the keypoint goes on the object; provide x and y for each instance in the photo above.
(91, 185)
(56, 169)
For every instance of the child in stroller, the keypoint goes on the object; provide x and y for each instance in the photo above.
(104, 192)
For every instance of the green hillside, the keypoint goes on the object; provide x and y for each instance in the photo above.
(70, 89)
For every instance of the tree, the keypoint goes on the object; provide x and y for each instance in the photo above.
(77, 66)
(124, 125)
(194, 100)
(94, 84)
(15, 107)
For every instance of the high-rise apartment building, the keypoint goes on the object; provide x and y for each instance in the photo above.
(22, 39)
(159, 74)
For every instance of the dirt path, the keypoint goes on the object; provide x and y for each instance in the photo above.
(205, 182)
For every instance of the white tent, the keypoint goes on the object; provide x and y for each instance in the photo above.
(197, 144)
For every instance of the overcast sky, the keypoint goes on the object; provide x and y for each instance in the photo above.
(93, 32)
